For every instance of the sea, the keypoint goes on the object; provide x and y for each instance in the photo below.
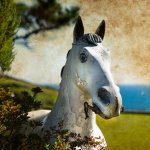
(136, 98)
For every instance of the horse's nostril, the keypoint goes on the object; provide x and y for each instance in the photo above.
(104, 95)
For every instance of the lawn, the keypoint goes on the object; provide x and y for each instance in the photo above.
(126, 132)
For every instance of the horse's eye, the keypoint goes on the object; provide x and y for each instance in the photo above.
(83, 57)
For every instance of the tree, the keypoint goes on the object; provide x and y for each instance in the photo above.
(47, 15)
(8, 24)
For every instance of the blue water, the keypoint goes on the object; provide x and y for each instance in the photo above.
(136, 98)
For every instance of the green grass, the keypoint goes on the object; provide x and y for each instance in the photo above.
(126, 132)
(47, 97)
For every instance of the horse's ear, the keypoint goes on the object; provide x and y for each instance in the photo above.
(78, 29)
(101, 30)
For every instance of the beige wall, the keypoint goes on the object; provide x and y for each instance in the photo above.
(127, 35)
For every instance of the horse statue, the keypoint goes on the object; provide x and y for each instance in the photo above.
(86, 89)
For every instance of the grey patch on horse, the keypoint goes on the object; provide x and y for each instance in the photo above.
(68, 53)
(64, 66)
(62, 71)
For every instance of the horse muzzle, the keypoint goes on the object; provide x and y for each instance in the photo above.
(108, 103)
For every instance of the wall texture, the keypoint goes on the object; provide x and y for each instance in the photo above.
(127, 36)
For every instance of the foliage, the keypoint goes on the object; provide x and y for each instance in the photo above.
(46, 13)
(65, 140)
(13, 110)
(8, 24)
(47, 97)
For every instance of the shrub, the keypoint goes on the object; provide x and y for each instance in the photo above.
(14, 110)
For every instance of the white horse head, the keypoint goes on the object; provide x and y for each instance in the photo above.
(88, 63)
(86, 79)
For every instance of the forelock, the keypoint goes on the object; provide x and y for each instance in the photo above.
(90, 39)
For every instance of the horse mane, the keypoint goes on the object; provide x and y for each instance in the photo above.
(90, 39)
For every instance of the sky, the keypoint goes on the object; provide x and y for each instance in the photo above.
(127, 37)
